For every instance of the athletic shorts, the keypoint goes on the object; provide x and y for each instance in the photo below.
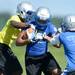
(9, 60)
(45, 64)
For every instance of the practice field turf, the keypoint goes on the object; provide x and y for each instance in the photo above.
(57, 52)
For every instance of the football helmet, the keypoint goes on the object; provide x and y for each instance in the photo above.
(42, 17)
(24, 8)
(43, 13)
(69, 23)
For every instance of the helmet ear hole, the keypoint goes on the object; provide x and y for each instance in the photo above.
(21, 12)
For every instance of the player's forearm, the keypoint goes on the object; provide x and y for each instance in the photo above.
(47, 38)
(21, 42)
(20, 25)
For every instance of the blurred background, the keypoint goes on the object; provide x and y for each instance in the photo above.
(58, 9)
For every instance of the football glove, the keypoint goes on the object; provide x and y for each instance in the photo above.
(31, 32)
(55, 40)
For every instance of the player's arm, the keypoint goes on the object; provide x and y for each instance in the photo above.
(25, 37)
(22, 39)
(20, 25)
(53, 40)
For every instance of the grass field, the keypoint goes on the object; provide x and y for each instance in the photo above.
(58, 53)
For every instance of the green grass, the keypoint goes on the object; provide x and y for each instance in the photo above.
(57, 52)
(59, 55)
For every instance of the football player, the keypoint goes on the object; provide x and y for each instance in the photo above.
(67, 38)
(37, 58)
(8, 35)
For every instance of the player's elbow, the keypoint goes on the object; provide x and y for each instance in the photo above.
(18, 43)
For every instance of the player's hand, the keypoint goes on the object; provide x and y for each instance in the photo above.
(55, 40)
(47, 38)
(32, 26)
(31, 32)
(39, 36)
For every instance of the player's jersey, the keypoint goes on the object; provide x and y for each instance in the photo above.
(40, 47)
(9, 33)
(68, 41)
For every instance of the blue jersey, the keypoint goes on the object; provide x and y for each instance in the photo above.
(68, 41)
(40, 47)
